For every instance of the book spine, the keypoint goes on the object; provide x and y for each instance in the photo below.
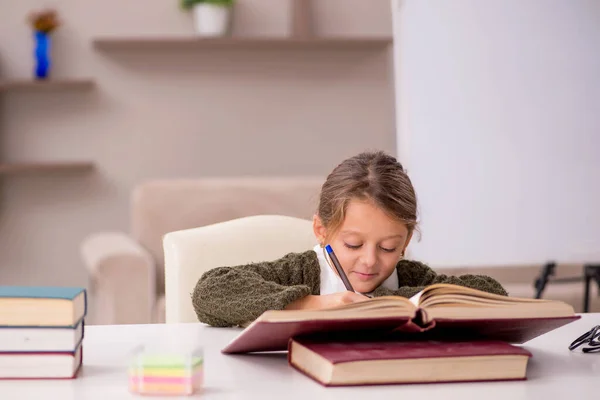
(417, 324)
(85, 303)
(289, 350)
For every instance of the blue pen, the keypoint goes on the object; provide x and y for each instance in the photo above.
(338, 267)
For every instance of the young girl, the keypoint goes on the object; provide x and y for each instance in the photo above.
(367, 212)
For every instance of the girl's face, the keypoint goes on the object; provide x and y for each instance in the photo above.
(368, 245)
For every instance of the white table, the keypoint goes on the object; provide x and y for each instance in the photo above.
(553, 373)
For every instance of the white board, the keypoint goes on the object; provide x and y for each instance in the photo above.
(498, 107)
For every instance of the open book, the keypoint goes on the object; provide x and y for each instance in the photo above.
(440, 310)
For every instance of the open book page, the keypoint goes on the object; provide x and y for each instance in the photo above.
(440, 289)
(416, 299)
(438, 301)
(378, 307)
(452, 301)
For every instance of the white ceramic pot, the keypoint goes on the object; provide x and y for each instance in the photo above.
(211, 19)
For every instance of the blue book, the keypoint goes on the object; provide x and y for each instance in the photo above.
(43, 306)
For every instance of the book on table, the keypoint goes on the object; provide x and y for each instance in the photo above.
(42, 306)
(351, 362)
(46, 365)
(41, 331)
(440, 311)
(41, 339)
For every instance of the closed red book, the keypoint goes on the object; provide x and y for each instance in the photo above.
(347, 363)
(439, 312)
(47, 365)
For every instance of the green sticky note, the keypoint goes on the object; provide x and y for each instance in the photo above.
(167, 361)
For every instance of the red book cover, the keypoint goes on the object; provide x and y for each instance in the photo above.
(31, 365)
(445, 361)
(274, 336)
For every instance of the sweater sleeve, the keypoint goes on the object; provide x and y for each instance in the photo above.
(414, 276)
(234, 296)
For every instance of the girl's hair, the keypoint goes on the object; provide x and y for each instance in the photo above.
(368, 176)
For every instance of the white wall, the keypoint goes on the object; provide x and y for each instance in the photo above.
(173, 114)
(499, 124)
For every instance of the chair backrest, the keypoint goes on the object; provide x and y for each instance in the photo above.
(163, 206)
(189, 253)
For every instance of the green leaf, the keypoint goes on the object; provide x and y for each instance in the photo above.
(188, 4)
(224, 3)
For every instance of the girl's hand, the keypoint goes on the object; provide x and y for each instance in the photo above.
(312, 302)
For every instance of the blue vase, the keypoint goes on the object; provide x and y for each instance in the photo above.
(42, 55)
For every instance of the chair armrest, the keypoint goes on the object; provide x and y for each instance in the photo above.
(123, 277)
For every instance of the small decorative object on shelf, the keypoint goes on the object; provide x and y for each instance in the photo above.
(211, 17)
(44, 22)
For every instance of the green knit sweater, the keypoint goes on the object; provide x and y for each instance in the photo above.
(235, 296)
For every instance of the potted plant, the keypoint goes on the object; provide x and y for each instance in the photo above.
(211, 17)
(43, 22)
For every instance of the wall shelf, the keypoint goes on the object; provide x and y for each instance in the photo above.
(302, 36)
(250, 43)
(42, 167)
(22, 85)
(37, 86)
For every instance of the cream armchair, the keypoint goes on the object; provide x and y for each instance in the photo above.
(189, 253)
(127, 269)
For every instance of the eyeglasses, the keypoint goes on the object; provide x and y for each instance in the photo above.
(590, 338)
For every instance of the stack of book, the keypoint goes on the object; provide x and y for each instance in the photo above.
(446, 333)
(41, 332)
